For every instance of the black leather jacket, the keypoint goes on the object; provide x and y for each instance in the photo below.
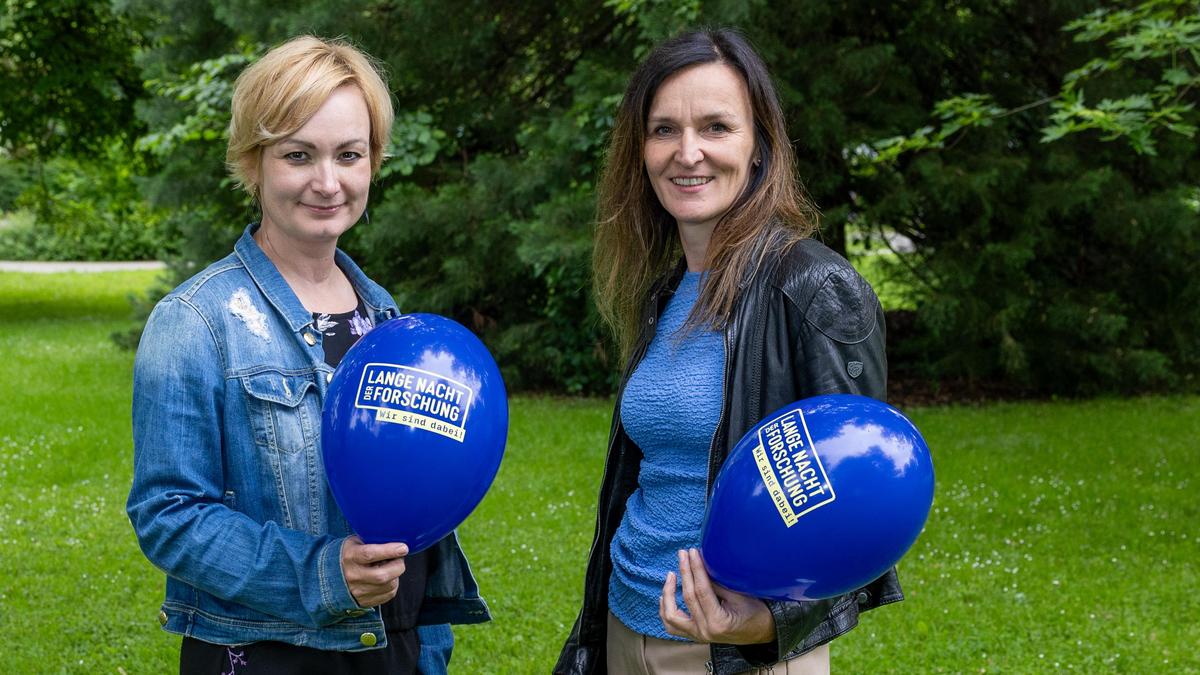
(804, 324)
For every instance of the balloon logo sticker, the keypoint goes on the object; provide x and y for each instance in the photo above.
(793, 474)
(416, 398)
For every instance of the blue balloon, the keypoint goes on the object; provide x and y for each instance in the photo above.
(413, 430)
(818, 499)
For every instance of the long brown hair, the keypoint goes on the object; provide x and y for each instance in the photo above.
(636, 240)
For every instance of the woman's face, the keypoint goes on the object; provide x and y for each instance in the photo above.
(700, 143)
(313, 184)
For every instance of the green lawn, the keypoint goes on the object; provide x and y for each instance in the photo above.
(1064, 535)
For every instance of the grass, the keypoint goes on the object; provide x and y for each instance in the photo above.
(74, 595)
(1064, 535)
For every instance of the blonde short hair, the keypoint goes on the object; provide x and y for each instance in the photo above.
(280, 92)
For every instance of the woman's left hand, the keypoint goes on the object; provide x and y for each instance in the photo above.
(717, 614)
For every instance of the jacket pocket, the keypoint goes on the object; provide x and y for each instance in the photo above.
(285, 414)
(281, 423)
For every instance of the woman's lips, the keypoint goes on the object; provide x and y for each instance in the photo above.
(690, 184)
(322, 209)
(691, 181)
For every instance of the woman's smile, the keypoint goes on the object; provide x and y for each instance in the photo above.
(689, 183)
(323, 210)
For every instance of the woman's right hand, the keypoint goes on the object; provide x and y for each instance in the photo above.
(372, 571)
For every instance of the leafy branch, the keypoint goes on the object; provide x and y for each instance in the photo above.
(1165, 32)
(206, 88)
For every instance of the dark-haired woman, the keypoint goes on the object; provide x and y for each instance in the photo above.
(725, 310)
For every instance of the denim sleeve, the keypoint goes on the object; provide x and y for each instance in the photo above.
(175, 503)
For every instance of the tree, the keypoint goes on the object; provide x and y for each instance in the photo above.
(1026, 270)
(67, 78)
(1047, 256)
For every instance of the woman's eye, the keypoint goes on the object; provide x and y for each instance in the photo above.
(719, 128)
(350, 156)
(296, 156)
(662, 131)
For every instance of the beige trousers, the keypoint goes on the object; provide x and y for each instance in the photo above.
(631, 653)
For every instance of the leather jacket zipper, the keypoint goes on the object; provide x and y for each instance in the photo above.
(633, 363)
(708, 480)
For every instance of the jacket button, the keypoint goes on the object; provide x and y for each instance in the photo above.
(368, 639)
(863, 598)
(162, 618)
(328, 377)
(310, 339)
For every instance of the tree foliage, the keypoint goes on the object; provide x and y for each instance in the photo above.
(1152, 57)
(1059, 266)
(1049, 255)
(68, 89)
(67, 78)
(80, 208)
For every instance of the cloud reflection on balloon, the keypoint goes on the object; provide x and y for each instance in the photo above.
(860, 440)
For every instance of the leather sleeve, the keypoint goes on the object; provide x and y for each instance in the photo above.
(838, 349)
(794, 621)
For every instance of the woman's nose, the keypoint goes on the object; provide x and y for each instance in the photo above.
(325, 181)
(689, 152)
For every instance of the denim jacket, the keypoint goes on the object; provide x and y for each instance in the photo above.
(229, 496)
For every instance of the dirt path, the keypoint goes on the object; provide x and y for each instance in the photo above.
(54, 267)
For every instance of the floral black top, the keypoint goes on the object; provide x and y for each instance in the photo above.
(341, 331)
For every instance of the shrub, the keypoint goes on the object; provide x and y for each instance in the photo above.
(84, 210)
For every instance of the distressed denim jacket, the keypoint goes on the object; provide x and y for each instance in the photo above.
(229, 495)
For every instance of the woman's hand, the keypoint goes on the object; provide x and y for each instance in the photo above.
(717, 614)
(372, 571)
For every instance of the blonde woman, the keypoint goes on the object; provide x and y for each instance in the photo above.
(229, 496)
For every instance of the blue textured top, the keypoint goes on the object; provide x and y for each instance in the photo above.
(670, 409)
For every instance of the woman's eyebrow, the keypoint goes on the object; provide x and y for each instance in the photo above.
(312, 146)
(707, 117)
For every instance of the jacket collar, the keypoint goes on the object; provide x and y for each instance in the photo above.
(666, 284)
(280, 294)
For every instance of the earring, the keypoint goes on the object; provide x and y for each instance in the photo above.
(366, 217)
(758, 161)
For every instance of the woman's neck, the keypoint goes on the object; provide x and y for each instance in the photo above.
(310, 271)
(694, 238)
